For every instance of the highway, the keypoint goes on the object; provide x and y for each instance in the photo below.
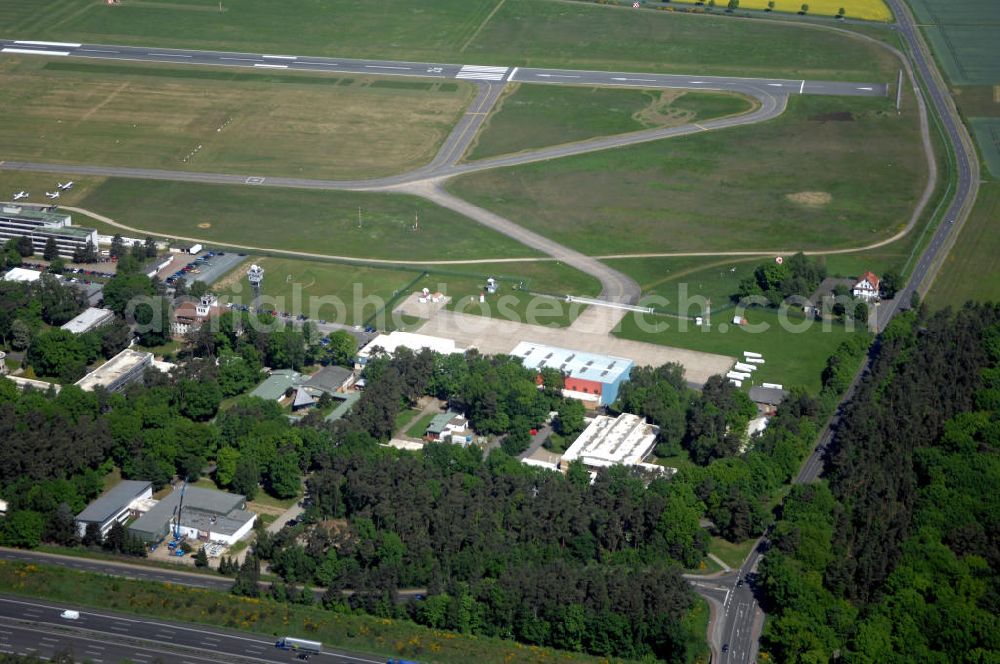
(30, 626)
(740, 617)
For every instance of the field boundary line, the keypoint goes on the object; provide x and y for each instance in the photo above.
(482, 25)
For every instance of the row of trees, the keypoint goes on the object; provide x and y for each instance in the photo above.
(897, 558)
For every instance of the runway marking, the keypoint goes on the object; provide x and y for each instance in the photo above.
(557, 75)
(48, 43)
(643, 80)
(32, 51)
(802, 87)
(869, 89)
(281, 57)
(513, 73)
(254, 179)
(169, 55)
(696, 82)
(264, 66)
(482, 72)
(98, 50)
(699, 126)
(243, 59)
(385, 67)
(777, 85)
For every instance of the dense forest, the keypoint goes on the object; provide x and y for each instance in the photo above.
(896, 557)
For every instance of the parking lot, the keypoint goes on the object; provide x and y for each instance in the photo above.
(206, 267)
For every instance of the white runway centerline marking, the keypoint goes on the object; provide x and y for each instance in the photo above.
(384, 67)
(280, 57)
(266, 66)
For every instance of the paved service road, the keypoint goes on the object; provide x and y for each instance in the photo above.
(34, 626)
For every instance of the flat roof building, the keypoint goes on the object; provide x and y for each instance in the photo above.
(124, 368)
(610, 441)
(206, 514)
(91, 319)
(41, 223)
(589, 376)
(388, 343)
(116, 505)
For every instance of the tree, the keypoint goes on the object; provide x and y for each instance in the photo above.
(804, 9)
(197, 289)
(25, 246)
(22, 528)
(115, 337)
(61, 353)
(770, 5)
(247, 581)
(117, 249)
(122, 289)
(284, 475)
(51, 251)
(85, 254)
(201, 558)
(199, 400)
(226, 460)
(246, 479)
(890, 284)
(153, 320)
(92, 535)
(841, 12)
(734, 4)
(57, 266)
(20, 335)
(150, 245)
(342, 348)
(569, 422)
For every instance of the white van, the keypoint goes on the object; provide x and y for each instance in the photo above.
(69, 614)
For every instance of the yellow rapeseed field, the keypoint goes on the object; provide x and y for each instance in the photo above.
(871, 10)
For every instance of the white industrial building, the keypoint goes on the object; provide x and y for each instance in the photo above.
(40, 223)
(23, 275)
(609, 441)
(388, 343)
(116, 505)
(124, 368)
(91, 319)
(205, 514)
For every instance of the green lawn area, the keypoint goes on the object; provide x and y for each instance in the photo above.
(972, 269)
(791, 357)
(353, 294)
(223, 120)
(831, 172)
(533, 116)
(404, 418)
(684, 285)
(514, 300)
(731, 554)
(320, 222)
(519, 32)
(419, 428)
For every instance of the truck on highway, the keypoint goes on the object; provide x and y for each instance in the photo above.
(301, 646)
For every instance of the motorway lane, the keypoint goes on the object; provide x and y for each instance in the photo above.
(35, 624)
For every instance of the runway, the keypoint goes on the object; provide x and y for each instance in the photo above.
(433, 70)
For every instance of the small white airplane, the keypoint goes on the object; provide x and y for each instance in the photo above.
(52, 194)
(67, 186)
(19, 195)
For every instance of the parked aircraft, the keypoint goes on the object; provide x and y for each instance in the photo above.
(67, 186)
(19, 195)
(52, 194)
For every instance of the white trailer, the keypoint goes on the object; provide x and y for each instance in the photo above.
(737, 383)
(299, 645)
(747, 353)
(742, 366)
(773, 386)
(754, 360)
(737, 375)
(195, 249)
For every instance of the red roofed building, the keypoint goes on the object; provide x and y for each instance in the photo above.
(189, 316)
(867, 288)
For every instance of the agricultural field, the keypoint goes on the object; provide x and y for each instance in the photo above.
(868, 10)
(309, 221)
(963, 35)
(829, 173)
(534, 116)
(502, 32)
(972, 269)
(986, 131)
(792, 357)
(222, 120)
